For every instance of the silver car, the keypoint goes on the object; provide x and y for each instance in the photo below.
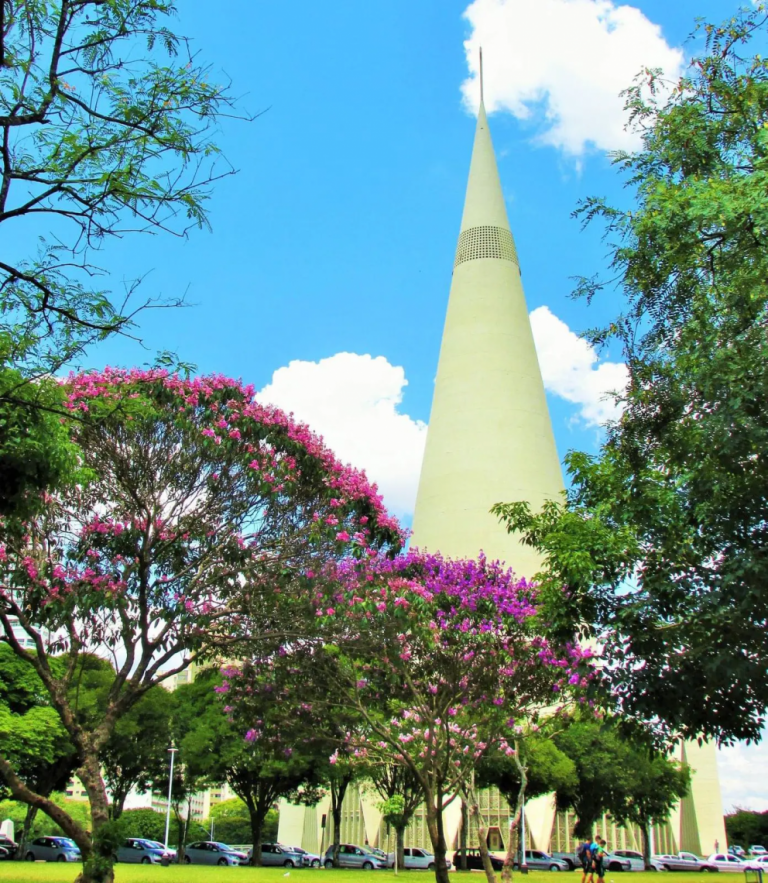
(277, 855)
(722, 861)
(209, 852)
(53, 849)
(537, 859)
(416, 859)
(136, 850)
(355, 857)
(308, 859)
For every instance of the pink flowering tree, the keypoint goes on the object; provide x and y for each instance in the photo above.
(442, 661)
(197, 513)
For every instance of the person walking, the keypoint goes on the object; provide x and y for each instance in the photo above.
(584, 855)
(599, 860)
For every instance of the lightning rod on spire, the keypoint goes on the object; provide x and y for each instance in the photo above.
(481, 76)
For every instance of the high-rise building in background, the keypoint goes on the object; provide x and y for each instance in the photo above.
(490, 440)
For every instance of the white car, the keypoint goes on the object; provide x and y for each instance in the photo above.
(724, 862)
(757, 863)
(758, 850)
(636, 860)
(415, 859)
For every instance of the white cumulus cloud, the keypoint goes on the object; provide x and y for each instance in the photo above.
(741, 781)
(571, 369)
(353, 401)
(563, 64)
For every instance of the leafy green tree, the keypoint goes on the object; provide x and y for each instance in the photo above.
(264, 753)
(619, 775)
(537, 767)
(232, 822)
(402, 796)
(203, 512)
(136, 753)
(31, 733)
(108, 122)
(657, 784)
(748, 828)
(42, 825)
(150, 824)
(662, 539)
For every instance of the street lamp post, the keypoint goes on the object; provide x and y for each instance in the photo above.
(170, 792)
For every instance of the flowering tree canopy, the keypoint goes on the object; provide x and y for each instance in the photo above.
(196, 506)
(441, 660)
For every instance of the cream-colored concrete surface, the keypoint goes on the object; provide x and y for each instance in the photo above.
(539, 819)
(490, 438)
(369, 805)
(700, 819)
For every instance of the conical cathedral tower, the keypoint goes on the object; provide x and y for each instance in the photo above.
(490, 437)
(490, 440)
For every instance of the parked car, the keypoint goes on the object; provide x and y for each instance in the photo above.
(681, 861)
(210, 852)
(757, 863)
(170, 850)
(136, 850)
(758, 850)
(635, 859)
(536, 859)
(351, 856)
(475, 861)
(726, 862)
(415, 859)
(308, 859)
(10, 846)
(5, 854)
(736, 850)
(277, 855)
(53, 849)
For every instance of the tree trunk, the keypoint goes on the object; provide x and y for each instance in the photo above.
(400, 846)
(463, 836)
(509, 858)
(98, 864)
(523, 770)
(437, 835)
(646, 846)
(482, 838)
(257, 817)
(29, 820)
(338, 790)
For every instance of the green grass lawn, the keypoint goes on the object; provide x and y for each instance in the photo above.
(23, 872)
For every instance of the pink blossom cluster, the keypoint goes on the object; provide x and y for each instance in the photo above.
(235, 420)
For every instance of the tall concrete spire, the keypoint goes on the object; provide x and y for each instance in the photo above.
(490, 438)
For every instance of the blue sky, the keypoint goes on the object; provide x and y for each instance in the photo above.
(337, 234)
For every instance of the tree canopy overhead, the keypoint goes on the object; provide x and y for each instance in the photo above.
(662, 540)
(100, 139)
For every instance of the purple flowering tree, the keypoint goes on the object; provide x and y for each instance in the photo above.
(441, 660)
(195, 511)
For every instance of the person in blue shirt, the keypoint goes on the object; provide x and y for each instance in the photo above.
(584, 854)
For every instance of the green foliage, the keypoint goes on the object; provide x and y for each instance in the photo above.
(136, 753)
(661, 543)
(126, 146)
(548, 769)
(108, 122)
(747, 828)
(43, 825)
(31, 732)
(213, 749)
(151, 824)
(232, 823)
(35, 449)
(616, 775)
